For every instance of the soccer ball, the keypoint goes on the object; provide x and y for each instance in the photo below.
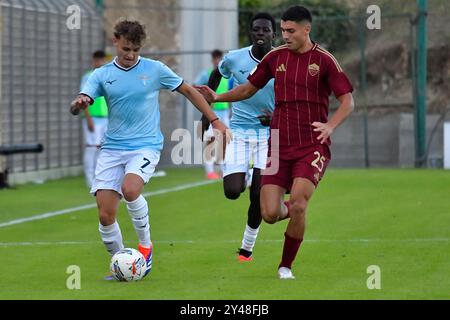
(128, 265)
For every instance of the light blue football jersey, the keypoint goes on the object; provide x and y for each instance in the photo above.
(237, 65)
(84, 78)
(202, 78)
(132, 95)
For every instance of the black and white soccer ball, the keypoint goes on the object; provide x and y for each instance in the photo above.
(128, 265)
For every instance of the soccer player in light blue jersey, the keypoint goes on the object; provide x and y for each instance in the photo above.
(94, 123)
(249, 124)
(133, 141)
(221, 109)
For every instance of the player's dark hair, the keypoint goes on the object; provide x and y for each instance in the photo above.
(99, 54)
(216, 53)
(265, 16)
(132, 31)
(297, 14)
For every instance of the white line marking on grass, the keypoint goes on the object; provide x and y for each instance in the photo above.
(46, 243)
(80, 243)
(382, 240)
(93, 205)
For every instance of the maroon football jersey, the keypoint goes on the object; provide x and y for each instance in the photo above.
(303, 83)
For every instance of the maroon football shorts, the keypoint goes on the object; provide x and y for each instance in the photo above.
(296, 162)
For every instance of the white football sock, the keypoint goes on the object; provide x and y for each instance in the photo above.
(221, 166)
(112, 237)
(138, 210)
(250, 234)
(209, 166)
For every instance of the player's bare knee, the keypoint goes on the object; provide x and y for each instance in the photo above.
(269, 215)
(298, 208)
(233, 186)
(106, 218)
(270, 219)
(130, 193)
(232, 194)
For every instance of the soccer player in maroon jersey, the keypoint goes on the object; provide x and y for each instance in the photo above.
(305, 75)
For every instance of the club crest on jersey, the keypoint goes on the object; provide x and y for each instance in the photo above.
(144, 79)
(313, 69)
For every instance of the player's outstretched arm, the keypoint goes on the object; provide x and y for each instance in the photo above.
(241, 92)
(202, 105)
(213, 83)
(197, 100)
(81, 102)
(346, 107)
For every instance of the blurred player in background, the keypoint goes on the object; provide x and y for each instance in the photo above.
(94, 123)
(222, 109)
(305, 75)
(133, 140)
(249, 125)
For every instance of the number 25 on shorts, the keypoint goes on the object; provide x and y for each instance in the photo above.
(318, 161)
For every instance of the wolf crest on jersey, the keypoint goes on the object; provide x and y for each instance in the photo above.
(313, 69)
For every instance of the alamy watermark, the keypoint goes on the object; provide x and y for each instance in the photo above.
(191, 150)
(374, 280)
(73, 21)
(374, 20)
(73, 282)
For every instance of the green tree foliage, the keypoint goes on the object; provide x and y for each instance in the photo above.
(247, 8)
(330, 29)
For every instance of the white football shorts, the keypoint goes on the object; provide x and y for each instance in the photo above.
(241, 151)
(113, 165)
(95, 138)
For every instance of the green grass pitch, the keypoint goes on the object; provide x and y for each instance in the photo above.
(395, 219)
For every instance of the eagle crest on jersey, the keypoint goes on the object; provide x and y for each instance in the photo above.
(144, 79)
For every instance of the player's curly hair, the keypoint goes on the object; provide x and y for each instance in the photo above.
(131, 30)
